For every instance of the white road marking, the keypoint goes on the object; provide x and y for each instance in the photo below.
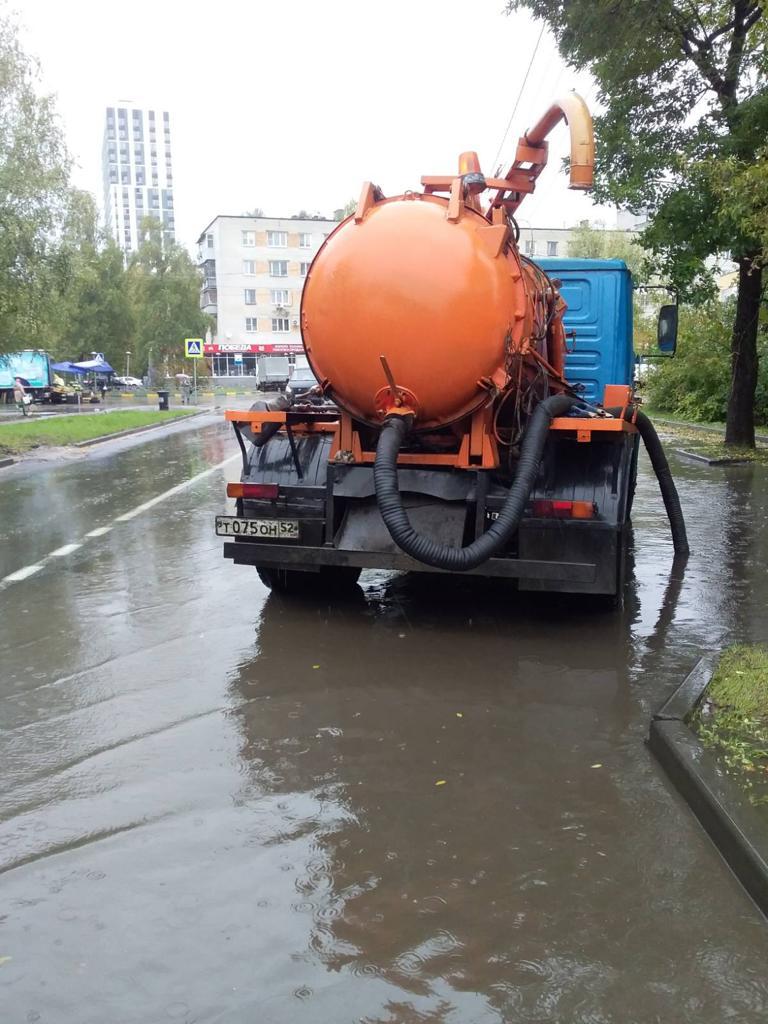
(22, 574)
(124, 518)
(67, 549)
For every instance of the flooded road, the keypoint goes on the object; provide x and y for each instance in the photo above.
(432, 803)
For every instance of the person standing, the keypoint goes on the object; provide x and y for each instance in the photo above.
(19, 396)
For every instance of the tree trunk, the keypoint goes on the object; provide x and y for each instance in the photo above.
(740, 421)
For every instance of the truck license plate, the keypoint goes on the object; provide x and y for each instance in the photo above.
(231, 526)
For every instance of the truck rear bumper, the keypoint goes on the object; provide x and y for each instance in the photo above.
(310, 559)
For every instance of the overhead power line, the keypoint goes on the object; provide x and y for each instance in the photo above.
(519, 95)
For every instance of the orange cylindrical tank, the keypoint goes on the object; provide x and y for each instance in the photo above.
(445, 301)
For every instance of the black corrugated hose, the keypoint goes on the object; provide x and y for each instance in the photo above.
(663, 474)
(430, 552)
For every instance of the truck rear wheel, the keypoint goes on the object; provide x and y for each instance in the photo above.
(330, 578)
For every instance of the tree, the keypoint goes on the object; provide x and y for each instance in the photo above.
(683, 84)
(34, 196)
(587, 242)
(95, 312)
(346, 210)
(164, 285)
(255, 212)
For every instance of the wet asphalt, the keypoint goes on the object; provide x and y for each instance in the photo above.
(431, 803)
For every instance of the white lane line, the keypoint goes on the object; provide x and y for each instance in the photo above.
(67, 549)
(30, 570)
(174, 490)
(22, 574)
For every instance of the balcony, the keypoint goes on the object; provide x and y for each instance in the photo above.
(208, 300)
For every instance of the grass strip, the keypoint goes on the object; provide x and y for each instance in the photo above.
(21, 436)
(733, 718)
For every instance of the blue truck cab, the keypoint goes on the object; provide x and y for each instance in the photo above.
(599, 320)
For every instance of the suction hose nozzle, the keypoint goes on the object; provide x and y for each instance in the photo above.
(663, 473)
(394, 432)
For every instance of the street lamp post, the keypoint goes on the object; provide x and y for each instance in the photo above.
(127, 364)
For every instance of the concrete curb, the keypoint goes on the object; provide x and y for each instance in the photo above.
(7, 462)
(715, 460)
(139, 430)
(731, 822)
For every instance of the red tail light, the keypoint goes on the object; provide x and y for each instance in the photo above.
(252, 491)
(545, 509)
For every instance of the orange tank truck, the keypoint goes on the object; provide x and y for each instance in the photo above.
(456, 424)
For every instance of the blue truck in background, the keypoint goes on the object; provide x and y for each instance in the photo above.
(33, 366)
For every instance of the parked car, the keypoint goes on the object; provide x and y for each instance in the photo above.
(302, 381)
(128, 382)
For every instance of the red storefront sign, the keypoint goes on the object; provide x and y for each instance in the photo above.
(285, 348)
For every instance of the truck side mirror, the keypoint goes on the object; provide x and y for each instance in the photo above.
(667, 330)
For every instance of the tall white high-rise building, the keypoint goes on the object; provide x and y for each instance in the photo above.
(137, 172)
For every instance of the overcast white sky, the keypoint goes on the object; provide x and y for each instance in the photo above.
(292, 104)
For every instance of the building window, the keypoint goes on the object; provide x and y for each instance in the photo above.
(280, 297)
(303, 269)
(281, 324)
(278, 268)
(305, 241)
(249, 238)
(277, 239)
(250, 296)
(530, 248)
(551, 248)
(251, 324)
(249, 267)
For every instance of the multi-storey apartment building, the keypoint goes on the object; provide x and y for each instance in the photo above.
(137, 172)
(253, 274)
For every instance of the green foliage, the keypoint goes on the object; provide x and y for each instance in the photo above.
(64, 286)
(34, 196)
(683, 86)
(734, 717)
(696, 383)
(685, 96)
(164, 289)
(346, 210)
(741, 681)
(587, 242)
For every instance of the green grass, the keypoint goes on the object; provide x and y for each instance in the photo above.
(733, 719)
(20, 436)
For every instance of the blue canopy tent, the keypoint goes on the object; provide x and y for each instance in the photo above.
(93, 366)
(67, 367)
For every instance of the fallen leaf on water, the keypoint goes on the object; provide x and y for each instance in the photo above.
(5, 959)
(315, 666)
(596, 766)
(459, 714)
(440, 782)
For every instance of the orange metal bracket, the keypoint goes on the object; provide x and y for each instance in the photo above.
(532, 152)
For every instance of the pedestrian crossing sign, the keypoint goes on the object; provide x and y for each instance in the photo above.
(193, 348)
